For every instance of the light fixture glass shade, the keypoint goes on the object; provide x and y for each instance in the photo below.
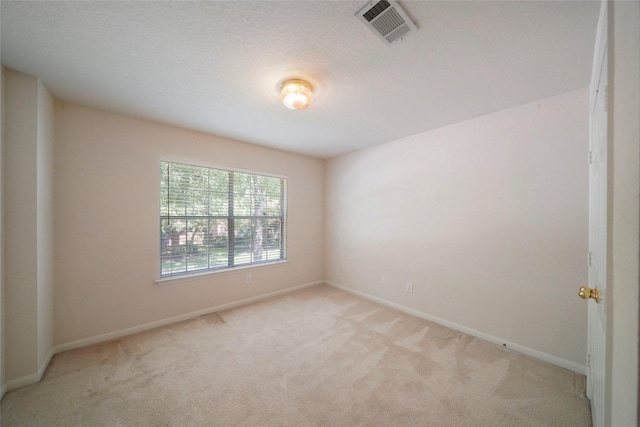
(296, 94)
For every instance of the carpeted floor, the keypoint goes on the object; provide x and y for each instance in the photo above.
(315, 357)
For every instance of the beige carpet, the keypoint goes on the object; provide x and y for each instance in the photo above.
(316, 357)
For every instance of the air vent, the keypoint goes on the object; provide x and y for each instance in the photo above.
(387, 20)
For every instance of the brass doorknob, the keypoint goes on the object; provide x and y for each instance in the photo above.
(586, 293)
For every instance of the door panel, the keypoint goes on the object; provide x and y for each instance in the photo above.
(597, 247)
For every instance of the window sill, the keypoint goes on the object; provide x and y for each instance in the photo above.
(199, 276)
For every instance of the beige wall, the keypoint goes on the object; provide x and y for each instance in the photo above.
(27, 216)
(624, 213)
(44, 224)
(487, 218)
(19, 166)
(107, 180)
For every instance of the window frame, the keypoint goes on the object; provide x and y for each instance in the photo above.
(231, 217)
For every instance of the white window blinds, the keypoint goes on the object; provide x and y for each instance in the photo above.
(213, 219)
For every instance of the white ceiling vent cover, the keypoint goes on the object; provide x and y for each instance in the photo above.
(387, 20)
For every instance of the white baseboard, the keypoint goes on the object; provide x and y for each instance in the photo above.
(37, 376)
(563, 363)
(151, 325)
(31, 378)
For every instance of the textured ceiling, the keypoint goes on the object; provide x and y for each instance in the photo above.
(216, 66)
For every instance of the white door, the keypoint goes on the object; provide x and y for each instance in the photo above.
(597, 244)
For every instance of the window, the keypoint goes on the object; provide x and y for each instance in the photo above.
(212, 219)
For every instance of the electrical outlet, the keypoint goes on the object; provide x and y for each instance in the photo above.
(247, 279)
(383, 280)
(409, 287)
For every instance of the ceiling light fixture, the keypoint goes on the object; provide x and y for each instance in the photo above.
(296, 94)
